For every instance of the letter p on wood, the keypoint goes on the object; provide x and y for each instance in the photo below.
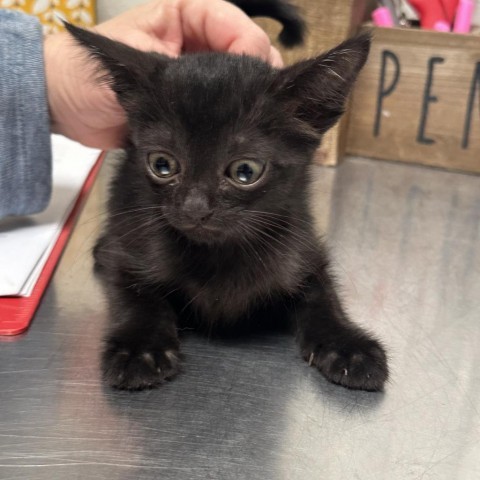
(383, 89)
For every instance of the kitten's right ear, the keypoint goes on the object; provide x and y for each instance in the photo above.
(123, 68)
(314, 92)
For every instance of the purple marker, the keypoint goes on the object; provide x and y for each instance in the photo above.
(463, 17)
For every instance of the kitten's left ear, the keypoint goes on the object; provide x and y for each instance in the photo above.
(315, 91)
(124, 68)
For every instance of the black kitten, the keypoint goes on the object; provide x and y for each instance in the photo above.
(208, 211)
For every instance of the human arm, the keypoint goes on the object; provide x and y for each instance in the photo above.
(25, 165)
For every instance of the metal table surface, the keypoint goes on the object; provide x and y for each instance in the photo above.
(405, 241)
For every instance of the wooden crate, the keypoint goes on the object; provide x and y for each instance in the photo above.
(329, 22)
(417, 100)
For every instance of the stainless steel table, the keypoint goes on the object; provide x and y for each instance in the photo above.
(406, 245)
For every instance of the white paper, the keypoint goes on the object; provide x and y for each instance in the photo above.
(26, 242)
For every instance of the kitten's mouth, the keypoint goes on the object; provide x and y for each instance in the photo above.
(202, 233)
(199, 228)
(198, 231)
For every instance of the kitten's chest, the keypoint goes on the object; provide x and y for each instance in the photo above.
(228, 288)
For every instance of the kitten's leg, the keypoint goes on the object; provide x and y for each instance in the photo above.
(343, 352)
(142, 348)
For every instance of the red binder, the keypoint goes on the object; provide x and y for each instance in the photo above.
(16, 313)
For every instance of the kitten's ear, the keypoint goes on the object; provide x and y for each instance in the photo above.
(315, 91)
(123, 68)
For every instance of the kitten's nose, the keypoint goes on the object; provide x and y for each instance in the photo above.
(198, 216)
(196, 207)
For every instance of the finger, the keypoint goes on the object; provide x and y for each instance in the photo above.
(154, 26)
(275, 58)
(107, 139)
(220, 26)
(163, 24)
(150, 43)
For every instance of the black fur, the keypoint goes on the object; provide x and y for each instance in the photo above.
(200, 248)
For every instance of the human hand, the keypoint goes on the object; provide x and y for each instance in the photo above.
(88, 112)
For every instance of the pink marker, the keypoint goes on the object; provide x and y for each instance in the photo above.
(382, 17)
(463, 18)
(441, 26)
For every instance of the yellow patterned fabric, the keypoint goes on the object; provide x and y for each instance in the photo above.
(50, 12)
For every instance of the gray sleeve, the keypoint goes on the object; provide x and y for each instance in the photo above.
(25, 149)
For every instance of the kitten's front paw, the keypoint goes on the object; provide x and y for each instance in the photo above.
(359, 365)
(127, 369)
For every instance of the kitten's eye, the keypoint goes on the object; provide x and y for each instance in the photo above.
(245, 172)
(162, 165)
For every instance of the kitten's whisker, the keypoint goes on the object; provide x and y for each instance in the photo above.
(136, 209)
(141, 215)
(274, 219)
(120, 212)
(265, 232)
(262, 232)
(201, 290)
(94, 217)
(279, 215)
(122, 222)
(146, 222)
(249, 243)
(285, 232)
(301, 239)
